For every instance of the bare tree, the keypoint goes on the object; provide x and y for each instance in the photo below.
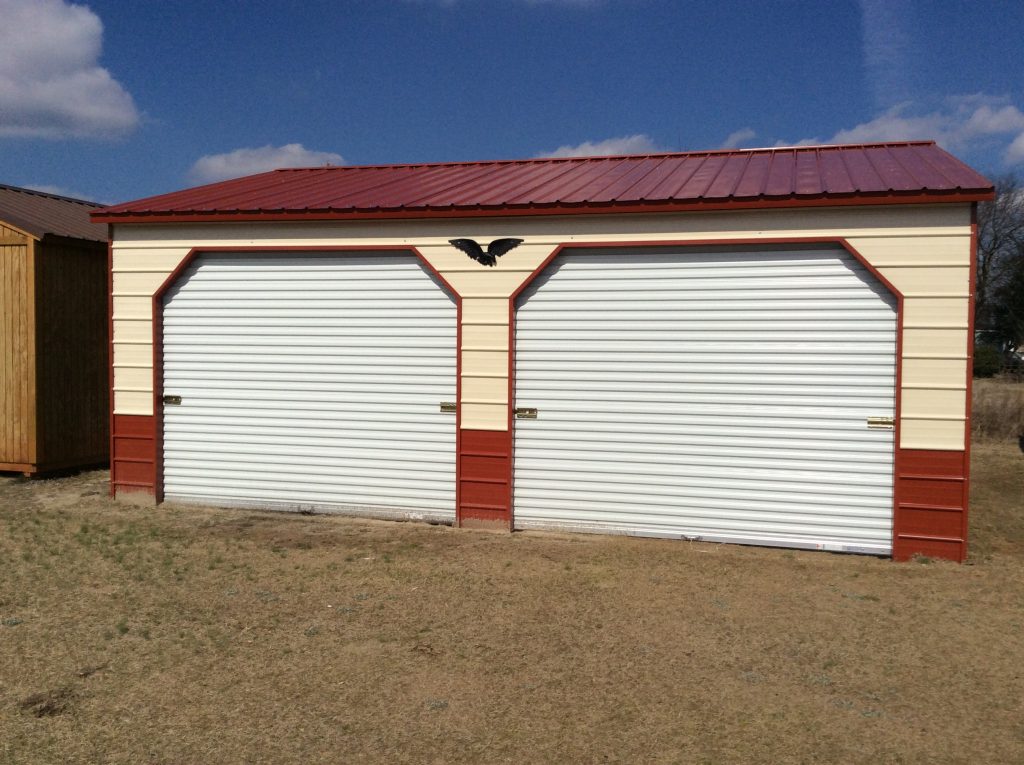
(1000, 260)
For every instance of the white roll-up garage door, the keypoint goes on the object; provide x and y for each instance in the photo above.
(311, 382)
(720, 395)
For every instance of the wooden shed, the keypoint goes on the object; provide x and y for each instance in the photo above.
(54, 333)
(765, 346)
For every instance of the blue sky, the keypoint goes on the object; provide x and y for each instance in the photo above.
(118, 99)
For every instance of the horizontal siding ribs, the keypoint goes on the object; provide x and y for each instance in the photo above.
(575, 464)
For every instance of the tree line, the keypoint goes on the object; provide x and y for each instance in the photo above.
(999, 294)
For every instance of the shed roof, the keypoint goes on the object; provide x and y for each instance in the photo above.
(883, 173)
(38, 214)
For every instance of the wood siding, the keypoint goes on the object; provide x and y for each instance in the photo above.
(17, 351)
(54, 386)
(71, 337)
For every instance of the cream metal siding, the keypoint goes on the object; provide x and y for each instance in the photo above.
(719, 395)
(311, 381)
(923, 250)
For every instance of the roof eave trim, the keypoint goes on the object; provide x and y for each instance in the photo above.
(21, 230)
(498, 211)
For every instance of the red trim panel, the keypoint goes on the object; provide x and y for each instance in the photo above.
(110, 345)
(133, 456)
(931, 506)
(485, 479)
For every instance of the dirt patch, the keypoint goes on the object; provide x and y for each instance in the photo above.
(48, 703)
(198, 635)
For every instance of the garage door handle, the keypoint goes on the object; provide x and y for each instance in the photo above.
(526, 413)
(174, 400)
(882, 423)
(448, 407)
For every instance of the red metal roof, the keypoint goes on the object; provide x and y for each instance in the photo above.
(38, 214)
(909, 172)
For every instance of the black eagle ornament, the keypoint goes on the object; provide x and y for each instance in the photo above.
(495, 249)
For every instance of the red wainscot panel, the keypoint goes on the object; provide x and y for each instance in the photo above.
(485, 479)
(931, 504)
(133, 461)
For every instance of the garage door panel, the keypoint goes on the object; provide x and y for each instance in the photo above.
(696, 450)
(809, 376)
(283, 425)
(268, 493)
(722, 395)
(736, 531)
(715, 399)
(739, 428)
(751, 474)
(311, 381)
(271, 375)
(304, 364)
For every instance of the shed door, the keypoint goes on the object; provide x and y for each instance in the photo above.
(721, 395)
(311, 382)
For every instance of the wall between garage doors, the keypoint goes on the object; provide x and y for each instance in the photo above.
(925, 252)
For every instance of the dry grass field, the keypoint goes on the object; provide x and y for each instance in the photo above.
(211, 636)
(997, 410)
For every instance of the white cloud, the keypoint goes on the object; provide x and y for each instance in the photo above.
(234, 164)
(1015, 151)
(51, 85)
(627, 144)
(738, 138)
(962, 123)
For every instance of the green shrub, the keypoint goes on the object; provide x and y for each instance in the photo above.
(988, 362)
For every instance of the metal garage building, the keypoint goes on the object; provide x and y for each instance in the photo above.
(759, 346)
